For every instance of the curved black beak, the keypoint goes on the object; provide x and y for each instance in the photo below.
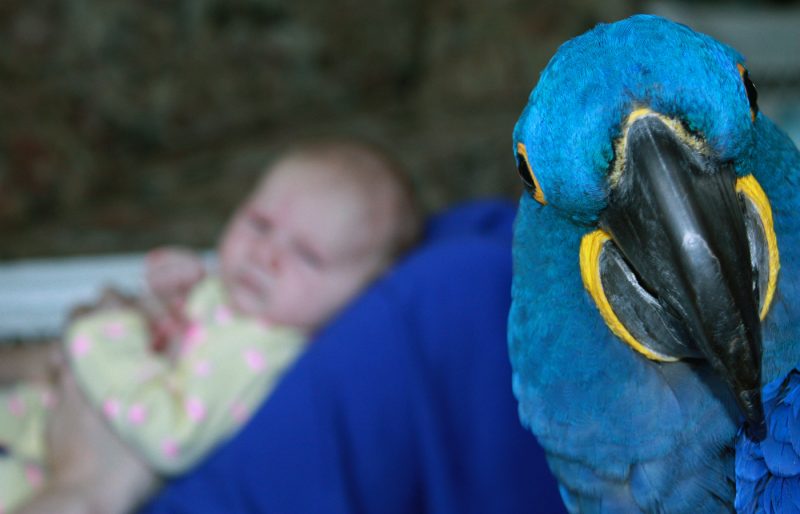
(675, 216)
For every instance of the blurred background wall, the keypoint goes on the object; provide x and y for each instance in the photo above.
(127, 124)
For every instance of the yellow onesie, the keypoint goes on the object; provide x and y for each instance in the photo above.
(172, 411)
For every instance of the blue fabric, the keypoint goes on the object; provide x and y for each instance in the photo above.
(403, 404)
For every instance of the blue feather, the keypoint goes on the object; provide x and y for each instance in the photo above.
(622, 431)
(750, 465)
(768, 471)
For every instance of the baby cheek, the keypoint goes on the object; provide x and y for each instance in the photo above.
(234, 242)
(318, 307)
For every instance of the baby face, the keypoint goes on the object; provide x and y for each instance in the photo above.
(300, 247)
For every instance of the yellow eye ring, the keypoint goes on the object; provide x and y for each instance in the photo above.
(750, 89)
(528, 177)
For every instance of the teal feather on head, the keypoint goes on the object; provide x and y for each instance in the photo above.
(597, 79)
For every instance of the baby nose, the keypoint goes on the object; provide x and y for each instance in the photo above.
(269, 256)
(274, 262)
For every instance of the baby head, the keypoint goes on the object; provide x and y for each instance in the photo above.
(326, 219)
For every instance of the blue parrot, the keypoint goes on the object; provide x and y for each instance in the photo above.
(656, 270)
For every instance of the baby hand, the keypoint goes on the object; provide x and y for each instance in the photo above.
(171, 272)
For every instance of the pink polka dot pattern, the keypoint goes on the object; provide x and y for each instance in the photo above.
(80, 346)
(114, 330)
(112, 408)
(192, 336)
(34, 475)
(195, 334)
(202, 368)
(239, 412)
(48, 399)
(169, 448)
(137, 414)
(255, 360)
(222, 315)
(195, 409)
(16, 406)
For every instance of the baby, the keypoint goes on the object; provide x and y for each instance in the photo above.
(327, 219)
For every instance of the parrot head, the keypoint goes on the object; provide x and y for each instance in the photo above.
(649, 149)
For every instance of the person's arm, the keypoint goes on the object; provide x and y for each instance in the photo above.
(89, 469)
(28, 362)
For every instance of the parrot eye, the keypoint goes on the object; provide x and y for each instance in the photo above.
(527, 176)
(750, 88)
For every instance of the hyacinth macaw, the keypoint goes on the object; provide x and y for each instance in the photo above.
(656, 269)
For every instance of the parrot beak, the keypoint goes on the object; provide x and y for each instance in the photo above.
(675, 217)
